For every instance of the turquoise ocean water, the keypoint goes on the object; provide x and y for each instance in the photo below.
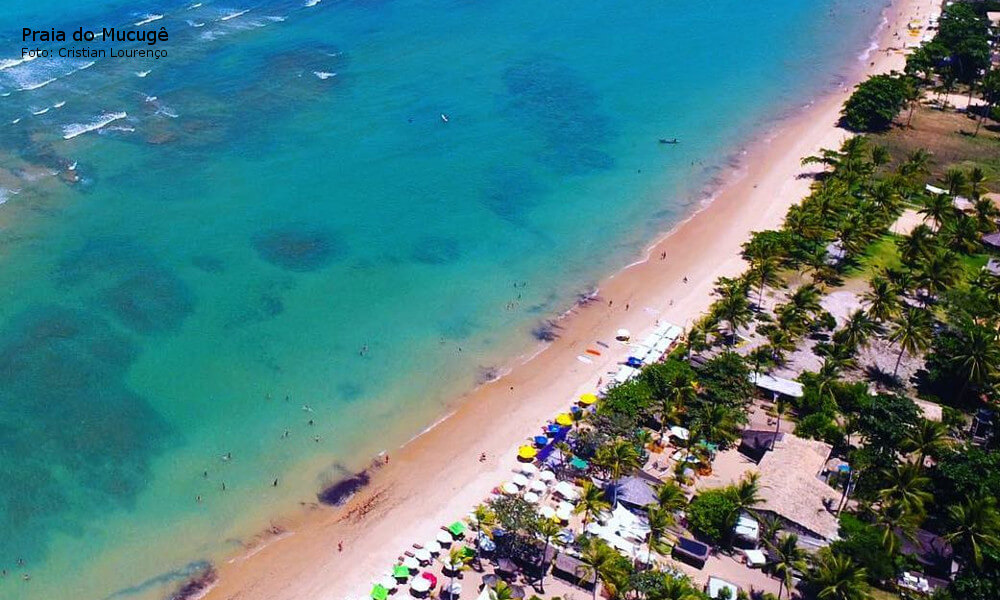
(280, 192)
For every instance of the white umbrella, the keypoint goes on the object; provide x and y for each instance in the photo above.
(532, 497)
(547, 512)
(420, 585)
(528, 469)
(433, 547)
(444, 538)
(509, 488)
(387, 582)
(565, 489)
(453, 588)
(564, 514)
(411, 563)
(546, 475)
(680, 433)
(537, 486)
(423, 555)
(623, 334)
(519, 480)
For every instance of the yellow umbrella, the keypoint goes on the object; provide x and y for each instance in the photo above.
(588, 399)
(564, 419)
(526, 452)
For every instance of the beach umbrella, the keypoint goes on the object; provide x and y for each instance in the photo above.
(588, 399)
(410, 563)
(526, 452)
(578, 463)
(546, 475)
(540, 440)
(564, 514)
(623, 335)
(444, 538)
(553, 428)
(486, 544)
(509, 488)
(519, 480)
(430, 578)
(453, 588)
(457, 528)
(547, 512)
(537, 486)
(433, 547)
(423, 555)
(566, 490)
(532, 497)
(379, 592)
(564, 419)
(420, 585)
(680, 433)
(401, 572)
(528, 469)
(388, 583)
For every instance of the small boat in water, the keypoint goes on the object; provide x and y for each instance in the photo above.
(444, 118)
(670, 141)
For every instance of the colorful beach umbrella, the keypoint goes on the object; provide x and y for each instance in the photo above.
(565, 419)
(526, 452)
(457, 528)
(588, 399)
(379, 592)
(400, 572)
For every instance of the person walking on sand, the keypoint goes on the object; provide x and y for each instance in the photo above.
(340, 546)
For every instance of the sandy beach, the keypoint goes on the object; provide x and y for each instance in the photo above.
(438, 477)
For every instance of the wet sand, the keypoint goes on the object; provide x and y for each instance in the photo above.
(438, 477)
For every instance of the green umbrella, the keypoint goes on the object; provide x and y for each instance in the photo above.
(457, 528)
(379, 592)
(578, 463)
(400, 572)
(467, 552)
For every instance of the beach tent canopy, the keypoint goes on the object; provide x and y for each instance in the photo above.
(546, 475)
(588, 399)
(444, 538)
(681, 433)
(526, 452)
(566, 490)
(423, 555)
(532, 497)
(457, 528)
(519, 480)
(547, 512)
(528, 469)
(433, 547)
(564, 419)
(509, 488)
(777, 385)
(420, 585)
(537, 486)
(410, 563)
(755, 558)
(379, 592)
(388, 583)
(716, 585)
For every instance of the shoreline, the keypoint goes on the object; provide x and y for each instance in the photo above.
(439, 466)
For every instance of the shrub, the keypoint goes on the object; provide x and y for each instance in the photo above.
(875, 103)
(712, 514)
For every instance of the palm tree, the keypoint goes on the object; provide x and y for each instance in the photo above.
(781, 341)
(734, 309)
(882, 299)
(485, 518)
(930, 438)
(617, 459)
(977, 359)
(779, 411)
(837, 577)
(907, 487)
(885, 197)
(938, 208)
(716, 423)
(857, 331)
(659, 524)
(938, 272)
(681, 391)
(788, 558)
(598, 561)
(962, 234)
(502, 591)
(986, 214)
(977, 177)
(956, 180)
(746, 493)
(670, 497)
(917, 164)
(592, 502)
(974, 524)
(457, 562)
(548, 529)
(912, 331)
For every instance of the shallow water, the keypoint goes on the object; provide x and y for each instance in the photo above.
(275, 225)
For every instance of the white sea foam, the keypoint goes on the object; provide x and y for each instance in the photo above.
(195, 5)
(324, 74)
(142, 73)
(34, 86)
(312, 2)
(6, 63)
(195, 23)
(16, 121)
(233, 15)
(150, 99)
(5, 194)
(59, 104)
(148, 19)
(40, 112)
(75, 129)
(276, 19)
